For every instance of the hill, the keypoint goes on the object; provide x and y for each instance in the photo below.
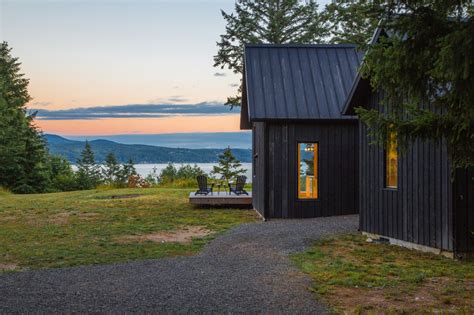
(196, 140)
(71, 150)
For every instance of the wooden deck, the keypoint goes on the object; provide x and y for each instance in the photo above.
(220, 199)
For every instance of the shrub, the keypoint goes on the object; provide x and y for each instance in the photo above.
(4, 192)
(184, 175)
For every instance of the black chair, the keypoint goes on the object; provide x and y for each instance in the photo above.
(238, 187)
(204, 189)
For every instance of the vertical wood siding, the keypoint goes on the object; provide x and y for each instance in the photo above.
(464, 215)
(258, 167)
(338, 174)
(420, 209)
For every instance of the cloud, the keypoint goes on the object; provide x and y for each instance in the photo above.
(220, 74)
(136, 111)
(234, 85)
(169, 100)
(42, 103)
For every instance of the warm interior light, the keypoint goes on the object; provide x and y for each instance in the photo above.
(391, 161)
(308, 170)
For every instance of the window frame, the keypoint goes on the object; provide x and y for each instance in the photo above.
(386, 164)
(298, 162)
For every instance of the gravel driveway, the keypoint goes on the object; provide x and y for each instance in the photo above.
(244, 270)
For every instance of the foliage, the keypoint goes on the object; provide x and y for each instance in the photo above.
(23, 156)
(4, 192)
(229, 167)
(424, 65)
(127, 170)
(61, 174)
(84, 227)
(111, 170)
(352, 22)
(264, 21)
(88, 172)
(351, 273)
(185, 174)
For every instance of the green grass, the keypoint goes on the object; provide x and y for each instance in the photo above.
(359, 277)
(82, 228)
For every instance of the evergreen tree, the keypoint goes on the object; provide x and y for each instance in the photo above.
(111, 169)
(229, 167)
(61, 174)
(426, 70)
(352, 22)
(266, 21)
(168, 174)
(128, 169)
(23, 156)
(88, 172)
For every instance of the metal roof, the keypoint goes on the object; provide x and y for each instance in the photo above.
(298, 81)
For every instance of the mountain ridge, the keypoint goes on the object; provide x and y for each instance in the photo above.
(139, 153)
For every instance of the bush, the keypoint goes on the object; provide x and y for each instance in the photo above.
(24, 189)
(183, 177)
(4, 192)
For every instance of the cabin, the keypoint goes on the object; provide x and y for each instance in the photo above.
(412, 198)
(305, 151)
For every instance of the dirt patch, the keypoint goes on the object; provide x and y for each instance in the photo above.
(183, 236)
(429, 296)
(59, 219)
(8, 218)
(88, 215)
(8, 267)
(129, 196)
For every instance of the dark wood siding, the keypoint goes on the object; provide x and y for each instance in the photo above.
(420, 210)
(338, 174)
(258, 167)
(464, 210)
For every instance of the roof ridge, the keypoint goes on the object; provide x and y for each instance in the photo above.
(300, 46)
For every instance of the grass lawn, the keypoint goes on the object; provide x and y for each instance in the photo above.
(366, 278)
(89, 227)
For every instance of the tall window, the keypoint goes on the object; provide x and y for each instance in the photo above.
(391, 161)
(308, 170)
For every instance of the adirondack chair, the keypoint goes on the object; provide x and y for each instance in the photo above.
(204, 188)
(238, 187)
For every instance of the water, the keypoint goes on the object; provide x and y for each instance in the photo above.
(145, 169)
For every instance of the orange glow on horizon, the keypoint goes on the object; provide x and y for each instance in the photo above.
(114, 126)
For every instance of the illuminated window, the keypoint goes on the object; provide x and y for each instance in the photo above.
(308, 170)
(391, 162)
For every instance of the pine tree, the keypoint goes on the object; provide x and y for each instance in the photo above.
(266, 21)
(88, 172)
(111, 169)
(426, 70)
(229, 167)
(62, 175)
(352, 22)
(128, 169)
(23, 155)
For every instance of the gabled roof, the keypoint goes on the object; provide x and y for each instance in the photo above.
(361, 86)
(292, 82)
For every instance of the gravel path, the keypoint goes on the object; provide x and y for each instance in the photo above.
(244, 270)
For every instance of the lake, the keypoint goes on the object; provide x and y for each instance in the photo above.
(145, 169)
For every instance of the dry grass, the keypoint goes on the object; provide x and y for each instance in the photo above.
(357, 277)
(183, 236)
(81, 228)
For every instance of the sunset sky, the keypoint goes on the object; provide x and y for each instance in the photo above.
(98, 53)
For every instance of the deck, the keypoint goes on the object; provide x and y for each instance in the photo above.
(220, 199)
